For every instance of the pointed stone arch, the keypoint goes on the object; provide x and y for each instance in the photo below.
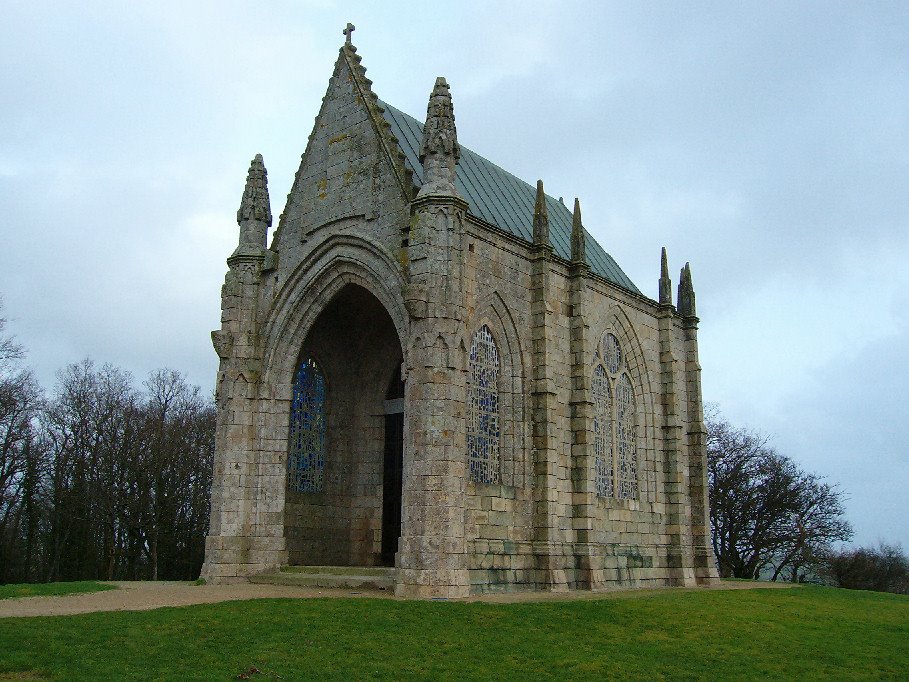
(340, 261)
(619, 324)
(493, 312)
(343, 522)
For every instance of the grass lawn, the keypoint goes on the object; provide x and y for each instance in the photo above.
(804, 632)
(51, 589)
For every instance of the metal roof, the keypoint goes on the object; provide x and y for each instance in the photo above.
(501, 199)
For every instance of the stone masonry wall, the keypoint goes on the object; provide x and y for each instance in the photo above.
(630, 533)
(345, 184)
(499, 518)
(630, 538)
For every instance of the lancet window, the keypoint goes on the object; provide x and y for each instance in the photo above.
(614, 423)
(625, 438)
(306, 447)
(602, 427)
(483, 422)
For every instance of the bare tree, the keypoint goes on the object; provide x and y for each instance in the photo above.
(20, 402)
(9, 349)
(818, 521)
(101, 481)
(765, 512)
(884, 568)
(176, 464)
(129, 477)
(84, 423)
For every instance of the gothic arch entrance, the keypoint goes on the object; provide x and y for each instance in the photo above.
(352, 515)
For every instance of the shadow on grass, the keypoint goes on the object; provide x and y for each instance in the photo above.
(15, 591)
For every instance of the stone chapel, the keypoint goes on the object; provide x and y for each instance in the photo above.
(434, 368)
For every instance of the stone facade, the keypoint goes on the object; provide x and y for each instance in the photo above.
(482, 412)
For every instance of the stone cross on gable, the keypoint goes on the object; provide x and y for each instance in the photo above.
(348, 31)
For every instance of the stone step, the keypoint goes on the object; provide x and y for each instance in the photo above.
(344, 577)
(342, 570)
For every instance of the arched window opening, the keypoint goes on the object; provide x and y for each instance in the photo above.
(306, 447)
(614, 423)
(483, 428)
(625, 438)
(602, 427)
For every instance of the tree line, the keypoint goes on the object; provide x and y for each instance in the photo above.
(102, 479)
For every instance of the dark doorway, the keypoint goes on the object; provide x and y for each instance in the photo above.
(335, 514)
(393, 469)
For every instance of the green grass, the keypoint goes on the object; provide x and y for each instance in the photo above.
(51, 589)
(737, 634)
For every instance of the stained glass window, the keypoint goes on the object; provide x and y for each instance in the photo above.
(306, 447)
(602, 427)
(612, 352)
(625, 438)
(483, 429)
(614, 424)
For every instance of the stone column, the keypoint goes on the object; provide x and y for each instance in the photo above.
(432, 559)
(583, 478)
(679, 555)
(705, 570)
(239, 544)
(548, 537)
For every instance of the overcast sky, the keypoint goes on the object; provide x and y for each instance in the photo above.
(766, 143)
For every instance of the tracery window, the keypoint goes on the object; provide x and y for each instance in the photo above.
(483, 423)
(625, 438)
(602, 427)
(306, 441)
(615, 424)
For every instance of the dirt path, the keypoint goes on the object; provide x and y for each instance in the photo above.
(142, 596)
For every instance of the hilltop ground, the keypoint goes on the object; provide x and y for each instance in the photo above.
(146, 595)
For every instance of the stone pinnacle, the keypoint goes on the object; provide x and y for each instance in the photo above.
(578, 246)
(686, 304)
(439, 151)
(255, 204)
(665, 282)
(540, 217)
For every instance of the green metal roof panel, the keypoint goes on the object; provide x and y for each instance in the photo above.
(501, 199)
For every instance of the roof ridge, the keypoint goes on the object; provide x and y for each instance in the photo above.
(499, 198)
(385, 104)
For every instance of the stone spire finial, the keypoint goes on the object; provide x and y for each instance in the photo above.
(348, 33)
(540, 217)
(685, 305)
(255, 204)
(254, 216)
(439, 152)
(578, 246)
(665, 282)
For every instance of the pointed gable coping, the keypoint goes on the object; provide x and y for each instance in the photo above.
(362, 86)
(499, 198)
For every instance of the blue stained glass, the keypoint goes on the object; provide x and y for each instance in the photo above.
(626, 422)
(306, 438)
(602, 427)
(612, 352)
(483, 408)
